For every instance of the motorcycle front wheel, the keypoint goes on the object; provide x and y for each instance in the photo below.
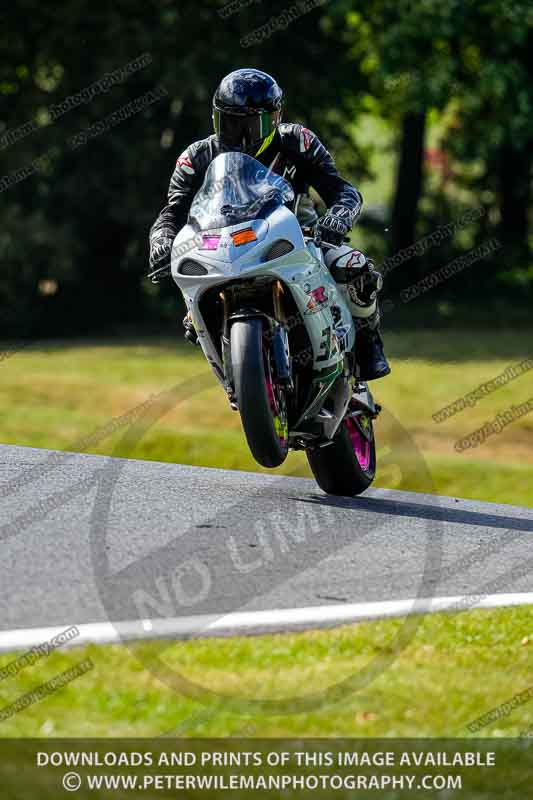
(260, 398)
(347, 466)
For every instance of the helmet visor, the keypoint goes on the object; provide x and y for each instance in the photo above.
(245, 132)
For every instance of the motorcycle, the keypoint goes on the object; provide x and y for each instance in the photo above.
(274, 326)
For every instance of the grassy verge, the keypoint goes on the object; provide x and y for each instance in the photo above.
(455, 668)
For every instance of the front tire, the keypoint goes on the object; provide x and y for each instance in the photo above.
(260, 399)
(347, 466)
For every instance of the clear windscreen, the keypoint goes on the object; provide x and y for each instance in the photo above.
(236, 188)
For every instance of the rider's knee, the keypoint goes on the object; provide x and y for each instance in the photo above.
(358, 280)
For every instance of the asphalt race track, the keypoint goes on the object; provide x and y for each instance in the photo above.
(165, 549)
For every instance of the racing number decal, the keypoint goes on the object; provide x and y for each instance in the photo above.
(325, 345)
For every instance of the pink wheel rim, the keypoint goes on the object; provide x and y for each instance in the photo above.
(273, 403)
(360, 446)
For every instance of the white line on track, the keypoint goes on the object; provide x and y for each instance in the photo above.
(253, 622)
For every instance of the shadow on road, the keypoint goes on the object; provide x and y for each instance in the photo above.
(437, 512)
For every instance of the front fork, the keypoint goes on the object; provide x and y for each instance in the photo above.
(277, 333)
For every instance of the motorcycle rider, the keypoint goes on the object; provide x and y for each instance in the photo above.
(247, 109)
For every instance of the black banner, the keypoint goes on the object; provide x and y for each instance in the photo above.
(478, 769)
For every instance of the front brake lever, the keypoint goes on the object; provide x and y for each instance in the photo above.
(159, 274)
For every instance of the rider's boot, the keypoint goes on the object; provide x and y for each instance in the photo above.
(369, 353)
(360, 284)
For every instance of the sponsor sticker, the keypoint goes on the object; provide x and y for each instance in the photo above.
(318, 298)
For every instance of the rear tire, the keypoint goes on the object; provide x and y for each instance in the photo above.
(347, 466)
(261, 401)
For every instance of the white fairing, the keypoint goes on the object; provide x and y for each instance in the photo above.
(302, 272)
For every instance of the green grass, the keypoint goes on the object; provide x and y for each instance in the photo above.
(55, 395)
(454, 668)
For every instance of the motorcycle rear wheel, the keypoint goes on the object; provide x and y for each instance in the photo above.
(261, 400)
(347, 466)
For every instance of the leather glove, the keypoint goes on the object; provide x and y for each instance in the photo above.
(160, 250)
(336, 224)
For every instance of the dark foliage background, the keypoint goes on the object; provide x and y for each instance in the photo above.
(73, 238)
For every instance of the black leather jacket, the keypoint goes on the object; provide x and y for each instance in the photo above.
(301, 158)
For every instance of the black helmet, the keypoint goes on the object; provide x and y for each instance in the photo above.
(247, 110)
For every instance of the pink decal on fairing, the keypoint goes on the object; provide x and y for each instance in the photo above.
(210, 242)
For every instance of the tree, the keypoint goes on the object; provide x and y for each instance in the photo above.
(82, 216)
